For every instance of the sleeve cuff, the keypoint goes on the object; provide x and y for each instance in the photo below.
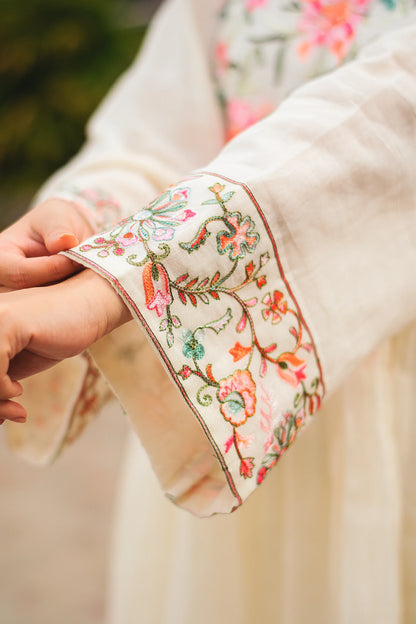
(201, 272)
(61, 402)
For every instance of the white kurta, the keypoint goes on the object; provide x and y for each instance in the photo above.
(266, 281)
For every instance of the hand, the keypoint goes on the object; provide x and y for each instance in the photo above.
(28, 248)
(39, 327)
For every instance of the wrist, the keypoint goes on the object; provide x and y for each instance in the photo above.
(105, 310)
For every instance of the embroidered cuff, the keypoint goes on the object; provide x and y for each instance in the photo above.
(200, 269)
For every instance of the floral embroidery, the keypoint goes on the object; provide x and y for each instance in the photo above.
(240, 238)
(330, 24)
(226, 341)
(92, 396)
(276, 308)
(237, 395)
(291, 368)
(266, 48)
(241, 115)
(160, 218)
(252, 5)
(192, 347)
(156, 287)
(156, 222)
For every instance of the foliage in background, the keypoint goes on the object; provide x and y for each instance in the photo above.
(57, 60)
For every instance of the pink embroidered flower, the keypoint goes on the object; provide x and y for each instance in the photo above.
(331, 24)
(185, 372)
(246, 467)
(156, 287)
(240, 238)
(262, 281)
(276, 307)
(241, 116)
(291, 368)
(127, 239)
(237, 395)
(160, 218)
(252, 5)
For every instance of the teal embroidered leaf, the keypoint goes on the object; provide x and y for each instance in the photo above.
(210, 201)
(227, 196)
(220, 323)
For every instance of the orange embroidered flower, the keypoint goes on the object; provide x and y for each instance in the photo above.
(237, 395)
(240, 238)
(238, 351)
(291, 368)
(217, 187)
(156, 287)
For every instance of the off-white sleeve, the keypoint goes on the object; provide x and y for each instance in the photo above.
(263, 278)
(150, 129)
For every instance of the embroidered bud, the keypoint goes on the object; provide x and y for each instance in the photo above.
(156, 287)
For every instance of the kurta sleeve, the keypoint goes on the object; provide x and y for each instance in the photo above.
(263, 278)
(148, 131)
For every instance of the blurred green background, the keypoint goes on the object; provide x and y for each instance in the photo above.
(57, 60)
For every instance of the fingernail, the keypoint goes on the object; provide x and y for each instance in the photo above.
(21, 419)
(71, 235)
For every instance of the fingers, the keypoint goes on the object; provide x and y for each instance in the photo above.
(28, 248)
(9, 389)
(9, 410)
(20, 272)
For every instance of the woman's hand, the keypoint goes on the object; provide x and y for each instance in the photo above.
(28, 248)
(39, 327)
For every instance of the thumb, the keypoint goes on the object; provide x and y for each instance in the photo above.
(59, 239)
(60, 225)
